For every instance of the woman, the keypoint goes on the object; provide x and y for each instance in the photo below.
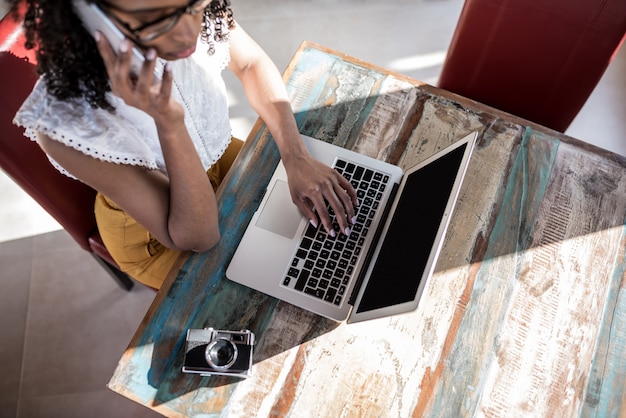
(146, 147)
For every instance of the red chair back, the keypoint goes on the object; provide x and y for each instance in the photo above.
(536, 59)
(69, 201)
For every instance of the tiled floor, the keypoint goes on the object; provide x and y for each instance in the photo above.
(63, 321)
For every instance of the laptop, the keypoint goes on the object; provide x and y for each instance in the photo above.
(382, 267)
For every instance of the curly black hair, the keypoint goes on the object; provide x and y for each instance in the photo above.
(68, 58)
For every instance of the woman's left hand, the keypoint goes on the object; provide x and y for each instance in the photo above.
(313, 184)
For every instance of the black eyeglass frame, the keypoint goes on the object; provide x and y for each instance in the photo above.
(107, 7)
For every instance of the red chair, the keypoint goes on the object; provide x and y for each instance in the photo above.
(69, 201)
(536, 59)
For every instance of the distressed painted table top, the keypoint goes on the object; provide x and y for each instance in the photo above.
(525, 314)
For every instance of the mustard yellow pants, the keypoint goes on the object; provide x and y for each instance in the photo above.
(133, 248)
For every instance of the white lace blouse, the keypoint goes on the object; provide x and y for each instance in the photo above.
(129, 136)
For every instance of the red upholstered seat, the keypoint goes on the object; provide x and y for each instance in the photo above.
(69, 201)
(536, 59)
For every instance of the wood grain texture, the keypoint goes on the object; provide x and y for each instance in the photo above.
(525, 314)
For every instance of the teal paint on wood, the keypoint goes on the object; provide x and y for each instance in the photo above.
(339, 99)
(606, 387)
(204, 283)
(308, 80)
(475, 343)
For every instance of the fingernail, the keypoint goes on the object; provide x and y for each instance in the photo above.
(353, 220)
(332, 233)
(347, 231)
(312, 222)
(151, 54)
(97, 36)
(124, 46)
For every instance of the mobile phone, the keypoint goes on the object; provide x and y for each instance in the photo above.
(95, 20)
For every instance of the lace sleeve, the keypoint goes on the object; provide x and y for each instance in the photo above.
(122, 137)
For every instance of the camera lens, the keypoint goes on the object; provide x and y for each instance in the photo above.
(221, 353)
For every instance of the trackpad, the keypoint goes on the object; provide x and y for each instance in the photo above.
(279, 214)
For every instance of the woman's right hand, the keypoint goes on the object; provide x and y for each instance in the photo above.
(141, 91)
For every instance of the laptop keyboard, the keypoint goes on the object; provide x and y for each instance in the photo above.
(323, 266)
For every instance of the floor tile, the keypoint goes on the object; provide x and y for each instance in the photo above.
(79, 320)
(20, 215)
(8, 408)
(99, 404)
(601, 120)
(15, 274)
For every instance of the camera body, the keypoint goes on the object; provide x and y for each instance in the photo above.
(211, 352)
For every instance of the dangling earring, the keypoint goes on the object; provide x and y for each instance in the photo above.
(205, 33)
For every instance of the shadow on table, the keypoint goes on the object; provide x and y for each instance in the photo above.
(280, 327)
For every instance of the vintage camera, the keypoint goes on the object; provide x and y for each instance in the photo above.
(217, 352)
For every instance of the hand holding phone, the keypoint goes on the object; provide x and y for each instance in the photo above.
(95, 20)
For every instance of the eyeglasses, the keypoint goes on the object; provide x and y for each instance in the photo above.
(148, 31)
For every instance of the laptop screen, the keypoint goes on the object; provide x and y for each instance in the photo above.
(404, 254)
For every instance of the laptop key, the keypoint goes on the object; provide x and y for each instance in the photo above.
(302, 279)
(330, 295)
(318, 293)
(310, 231)
(306, 243)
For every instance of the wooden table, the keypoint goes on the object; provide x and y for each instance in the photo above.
(524, 316)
